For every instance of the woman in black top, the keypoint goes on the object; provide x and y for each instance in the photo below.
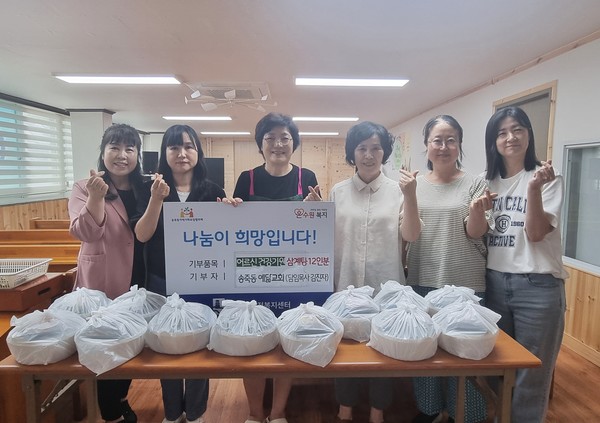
(182, 177)
(276, 180)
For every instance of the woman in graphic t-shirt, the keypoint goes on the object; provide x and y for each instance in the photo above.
(525, 275)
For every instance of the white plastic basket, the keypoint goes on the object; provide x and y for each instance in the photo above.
(14, 272)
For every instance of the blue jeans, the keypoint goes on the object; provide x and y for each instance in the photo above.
(532, 307)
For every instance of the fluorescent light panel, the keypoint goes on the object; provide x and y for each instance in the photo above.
(224, 133)
(340, 82)
(319, 134)
(324, 119)
(119, 79)
(205, 118)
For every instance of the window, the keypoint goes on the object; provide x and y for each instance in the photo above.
(36, 158)
(581, 225)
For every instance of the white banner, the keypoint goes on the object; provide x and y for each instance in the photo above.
(278, 253)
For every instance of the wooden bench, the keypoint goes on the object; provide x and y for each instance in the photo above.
(64, 256)
(37, 223)
(38, 236)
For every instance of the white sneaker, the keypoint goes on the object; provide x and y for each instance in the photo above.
(198, 420)
(180, 419)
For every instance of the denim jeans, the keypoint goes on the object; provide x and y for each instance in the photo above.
(532, 307)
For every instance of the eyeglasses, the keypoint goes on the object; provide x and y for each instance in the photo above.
(272, 140)
(449, 143)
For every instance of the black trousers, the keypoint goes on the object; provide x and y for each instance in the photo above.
(110, 393)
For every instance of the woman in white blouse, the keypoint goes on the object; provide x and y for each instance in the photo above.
(373, 214)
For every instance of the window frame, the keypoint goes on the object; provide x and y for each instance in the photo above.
(572, 261)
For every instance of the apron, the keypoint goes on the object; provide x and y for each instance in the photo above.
(297, 197)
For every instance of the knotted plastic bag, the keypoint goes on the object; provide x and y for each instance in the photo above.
(469, 330)
(310, 333)
(355, 308)
(450, 294)
(393, 293)
(140, 301)
(405, 333)
(82, 301)
(244, 328)
(111, 337)
(180, 327)
(43, 337)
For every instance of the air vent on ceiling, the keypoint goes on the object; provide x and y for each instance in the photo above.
(243, 91)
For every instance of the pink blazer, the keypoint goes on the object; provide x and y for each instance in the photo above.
(105, 259)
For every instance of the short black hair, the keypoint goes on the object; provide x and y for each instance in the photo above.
(495, 163)
(363, 131)
(274, 120)
(453, 123)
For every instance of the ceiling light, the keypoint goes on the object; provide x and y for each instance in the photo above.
(324, 119)
(224, 133)
(118, 79)
(319, 134)
(337, 82)
(207, 118)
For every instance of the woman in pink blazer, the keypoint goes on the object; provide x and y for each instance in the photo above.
(110, 258)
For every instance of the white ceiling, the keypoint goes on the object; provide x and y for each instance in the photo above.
(444, 47)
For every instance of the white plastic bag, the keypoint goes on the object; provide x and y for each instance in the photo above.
(310, 333)
(450, 294)
(469, 330)
(140, 301)
(393, 293)
(404, 333)
(111, 337)
(244, 328)
(180, 327)
(43, 337)
(355, 308)
(82, 301)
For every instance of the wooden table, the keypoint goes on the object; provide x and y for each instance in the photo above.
(351, 360)
(34, 295)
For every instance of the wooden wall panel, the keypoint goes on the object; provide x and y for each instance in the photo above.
(16, 216)
(224, 149)
(246, 156)
(314, 153)
(337, 168)
(582, 320)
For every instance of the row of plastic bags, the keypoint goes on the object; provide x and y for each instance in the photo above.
(396, 322)
(401, 324)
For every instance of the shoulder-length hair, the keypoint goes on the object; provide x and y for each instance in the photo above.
(174, 136)
(454, 124)
(363, 131)
(495, 163)
(122, 134)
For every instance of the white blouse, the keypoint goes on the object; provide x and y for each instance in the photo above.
(368, 242)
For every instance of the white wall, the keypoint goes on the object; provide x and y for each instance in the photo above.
(577, 115)
(86, 132)
(577, 118)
